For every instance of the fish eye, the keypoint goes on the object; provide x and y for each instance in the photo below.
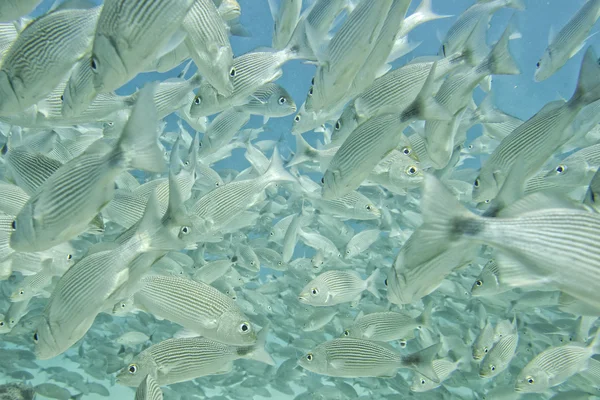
(282, 100)
(487, 201)
(492, 367)
(346, 332)
(36, 337)
(132, 368)
(21, 292)
(62, 97)
(197, 100)
(538, 64)
(444, 50)
(470, 147)
(245, 327)
(2, 324)
(314, 291)
(369, 207)
(485, 349)
(338, 125)
(530, 380)
(94, 64)
(406, 151)
(122, 305)
(479, 282)
(323, 180)
(297, 118)
(561, 168)
(186, 163)
(403, 343)
(14, 224)
(309, 356)
(185, 230)
(385, 282)
(476, 183)
(310, 91)
(411, 170)
(422, 381)
(312, 81)
(232, 72)
(69, 256)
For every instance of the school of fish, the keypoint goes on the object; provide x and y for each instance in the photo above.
(403, 239)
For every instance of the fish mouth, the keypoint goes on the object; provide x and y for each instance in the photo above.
(302, 299)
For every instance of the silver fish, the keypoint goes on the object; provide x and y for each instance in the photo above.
(128, 34)
(179, 360)
(336, 287)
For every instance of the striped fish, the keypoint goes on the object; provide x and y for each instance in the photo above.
(499, 357)
(356, 358)
(285, 16)
(250, 71)
(79, 92)
(128, 34)
(42, 54)
(539, 137)
(197, 307)
(568, 41)
(30, 170)
(183, 359)
(555, 365)
(87, 287)
(270, 100)
(65, 203)
(224, 203)
(387, 326)
(209, 47)
(336, 287)
(148, 390)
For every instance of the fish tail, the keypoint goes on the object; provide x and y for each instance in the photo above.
(425, 107)
(424, 320)
(425, 10)
(276, 170)
(258, 352)
(500, 61)
(445, 223)
(371, 283)
(138, 145)
(421, 361)
(516, 4)
(304, 152)
(151, 227)
(588, 84)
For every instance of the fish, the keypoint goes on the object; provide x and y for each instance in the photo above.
(545, 132)
(499, 357)
(356, 358)
(87, 287)
(120, 52)
(285, 16)
(51, 217)
(178, 360)
(568, 41)
(387, 326)
(50, 49)
(554, 366)
(208, 44)
(207, 312)
(336, 287)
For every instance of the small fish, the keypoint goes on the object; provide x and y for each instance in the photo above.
(499, 357)
(179, 360)
(484, 342)
(555, 365)
(132, 338)
(388, 326)
(336, 287)
(357, 358)
(361, 242)
(569, 41)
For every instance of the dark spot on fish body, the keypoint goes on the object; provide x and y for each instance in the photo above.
(410, 113)
(465, 227)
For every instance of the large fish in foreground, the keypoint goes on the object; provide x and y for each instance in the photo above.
(68, 200)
